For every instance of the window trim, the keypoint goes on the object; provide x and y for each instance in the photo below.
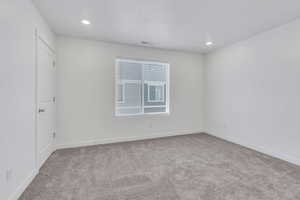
(167, 83)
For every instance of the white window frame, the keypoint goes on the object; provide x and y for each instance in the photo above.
(166, 93)
(156, 83)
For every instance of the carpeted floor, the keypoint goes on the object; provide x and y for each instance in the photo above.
(192, 167)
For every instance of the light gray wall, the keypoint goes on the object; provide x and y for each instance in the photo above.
(252, 92)
(85, 99)
(18, 18)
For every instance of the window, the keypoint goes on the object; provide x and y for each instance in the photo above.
(142, 87)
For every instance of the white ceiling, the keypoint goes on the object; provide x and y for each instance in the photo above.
(169, 24)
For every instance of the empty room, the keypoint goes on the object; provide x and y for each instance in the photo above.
(150, 100)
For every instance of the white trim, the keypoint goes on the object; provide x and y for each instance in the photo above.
(36, 101)
(127, 139)
(47, 151)
(22, 187)
(156, 83)
(116, 86)
(168, 103)
(260, 149)
(143, 114)
(155, 106)
(143, 90)
(44, 154)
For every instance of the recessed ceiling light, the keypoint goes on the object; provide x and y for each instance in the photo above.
(85, 22)
(209, 43)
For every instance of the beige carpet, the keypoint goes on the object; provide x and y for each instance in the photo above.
(193, 167)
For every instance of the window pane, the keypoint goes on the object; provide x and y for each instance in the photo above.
(130, 76)
(155, 79)
(155, 72)
(156, 93)
(159, 93)
(152, 93)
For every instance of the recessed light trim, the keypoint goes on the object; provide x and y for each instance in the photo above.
(209, 43)
(85, 22)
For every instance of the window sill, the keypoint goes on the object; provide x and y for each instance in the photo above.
(143, 114)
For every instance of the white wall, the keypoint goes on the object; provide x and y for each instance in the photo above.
(18, 19)
(252, 92)
(86, 93)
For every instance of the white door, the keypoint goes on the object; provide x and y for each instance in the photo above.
(46, 108)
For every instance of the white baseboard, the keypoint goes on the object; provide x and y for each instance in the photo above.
(18, 192)
(44, 154)
(263, 150)
(125, 139)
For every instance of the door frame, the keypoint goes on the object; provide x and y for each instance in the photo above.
(38, 38)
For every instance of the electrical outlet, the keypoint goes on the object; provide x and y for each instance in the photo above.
(9, 173)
